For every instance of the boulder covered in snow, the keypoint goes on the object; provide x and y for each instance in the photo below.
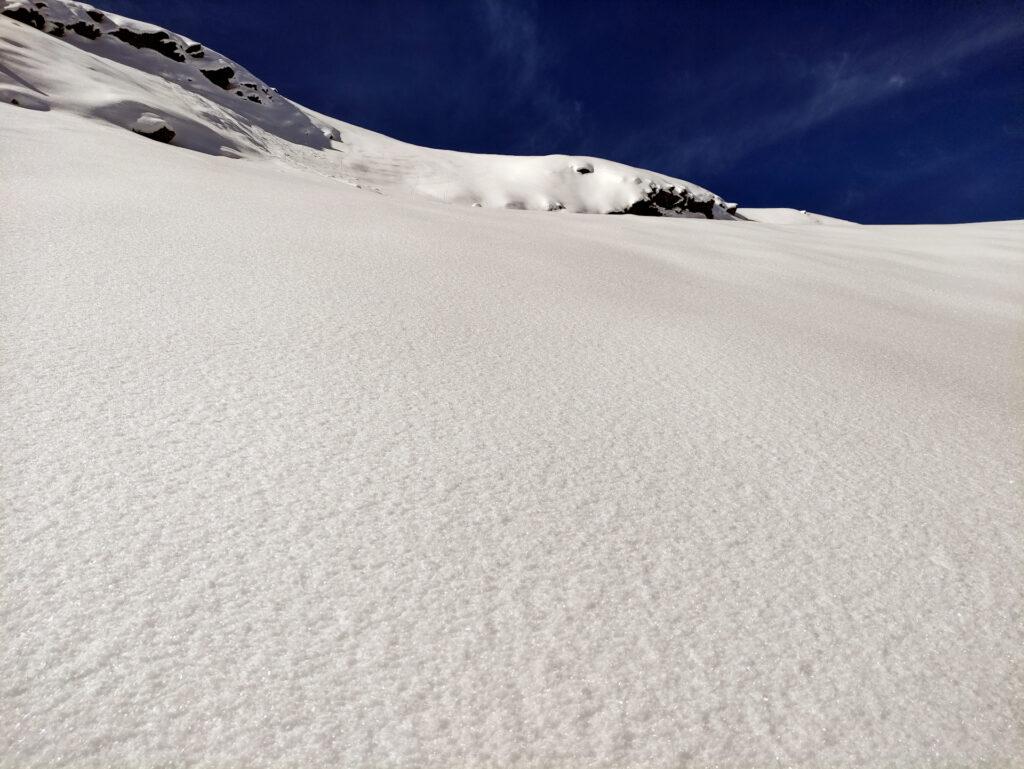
(153, 127)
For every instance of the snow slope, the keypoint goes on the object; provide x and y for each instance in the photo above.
(216, 106)
(789, 216)
(296, 474)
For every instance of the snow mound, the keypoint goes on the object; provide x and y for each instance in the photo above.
(75, 58)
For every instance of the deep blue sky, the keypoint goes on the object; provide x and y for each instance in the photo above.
(878, 112)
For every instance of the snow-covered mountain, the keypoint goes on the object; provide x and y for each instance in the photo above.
(144, 78)
(296, 474)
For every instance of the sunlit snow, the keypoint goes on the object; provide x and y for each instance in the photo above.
(303, 467)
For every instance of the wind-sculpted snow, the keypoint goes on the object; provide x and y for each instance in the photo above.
(72, 57)
(298, 475)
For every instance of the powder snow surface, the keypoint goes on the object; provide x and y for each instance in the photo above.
(299, 475)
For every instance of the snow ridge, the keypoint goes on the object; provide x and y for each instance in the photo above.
(120, 71)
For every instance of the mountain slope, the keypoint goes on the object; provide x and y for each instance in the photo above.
(297, 474)
(119, 70)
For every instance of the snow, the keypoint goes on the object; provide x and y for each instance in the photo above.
(299, 474)
(789, 216)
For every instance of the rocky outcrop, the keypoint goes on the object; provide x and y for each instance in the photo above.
(679, 201)
(26, 15)
(91, 24)
(179, 60)
(220, 77)
(86, 30)
(160, 42)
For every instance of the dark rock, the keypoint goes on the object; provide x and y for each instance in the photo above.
(643, 207)
(195, 51)
(160, 42)
(15, 102)
(162, 134)
(666, 198)
(706, 207)
(254, 98)
(29, 16)
(57, 30)
(664, 201)
(220, 77)
(86, 30)
(96, 16)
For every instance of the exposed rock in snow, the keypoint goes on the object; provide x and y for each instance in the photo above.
(26, 14)
(142, 65)
(677, 200)
(220, 77)
(86, 30)
(153, 127)
(158, 41)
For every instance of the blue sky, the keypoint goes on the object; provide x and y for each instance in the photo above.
(878, 112)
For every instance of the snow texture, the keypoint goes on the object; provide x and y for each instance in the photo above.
(296, 474)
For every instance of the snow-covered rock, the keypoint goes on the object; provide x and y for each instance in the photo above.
(153, 127)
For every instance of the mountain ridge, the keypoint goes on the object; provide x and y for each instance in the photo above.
(194, 97)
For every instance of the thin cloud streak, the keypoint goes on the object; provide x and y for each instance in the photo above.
(517, 50)
(840, 85)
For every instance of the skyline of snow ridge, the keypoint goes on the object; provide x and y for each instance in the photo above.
(871, 113)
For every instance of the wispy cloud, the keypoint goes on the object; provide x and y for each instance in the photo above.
(831, 87)
(519, 55)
